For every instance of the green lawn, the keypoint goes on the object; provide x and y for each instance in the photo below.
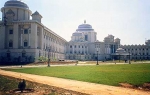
(135, 74)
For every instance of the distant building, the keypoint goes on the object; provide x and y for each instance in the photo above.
(138, 52)
(24, 40)
(85, 46)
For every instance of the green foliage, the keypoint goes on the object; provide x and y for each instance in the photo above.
(43, 59)
(135, 74)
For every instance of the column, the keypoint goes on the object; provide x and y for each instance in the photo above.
(2, 38)
(41, 38)
(105, 49)
(21, 37)
(114, 48)
(84, 49)
(15, 36)
(33, 40)
(108, 49)
(72, 49)
(29, 37)
(87, 50)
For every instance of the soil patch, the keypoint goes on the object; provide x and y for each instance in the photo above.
(145, 86)
(35, 89)
(126, 85)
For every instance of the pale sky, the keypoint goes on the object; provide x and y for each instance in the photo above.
(128, 20)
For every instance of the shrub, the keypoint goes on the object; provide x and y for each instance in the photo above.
(43, 59)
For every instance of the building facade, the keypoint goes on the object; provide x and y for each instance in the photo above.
(138, 52)
(85, 46)
(24, 40)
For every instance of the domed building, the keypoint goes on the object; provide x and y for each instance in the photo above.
(24, 39)
(84, 33)
(85, 46)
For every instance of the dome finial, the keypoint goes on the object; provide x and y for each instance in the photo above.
(84, 21)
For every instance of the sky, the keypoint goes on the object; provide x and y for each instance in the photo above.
(128, 20)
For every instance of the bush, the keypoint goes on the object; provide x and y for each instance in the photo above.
(43, 59)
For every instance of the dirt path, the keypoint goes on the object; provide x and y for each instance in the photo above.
(83, 87)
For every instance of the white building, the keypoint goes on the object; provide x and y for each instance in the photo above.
(138, 52)
(85, 46)
(24, 40)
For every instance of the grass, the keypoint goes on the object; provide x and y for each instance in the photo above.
(135, 74)
(7, 84)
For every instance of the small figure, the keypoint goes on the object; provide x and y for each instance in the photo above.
(22, 85)
(76, 62)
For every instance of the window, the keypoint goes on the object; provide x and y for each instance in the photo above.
(79, 46)
(11, 31)
(10, 44)
(70, 46)
(86, 37)
(82, 52)
(75, 46)
(25, 44)
(25, 31)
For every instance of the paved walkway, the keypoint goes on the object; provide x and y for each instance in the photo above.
(53, 65)
(84, 87)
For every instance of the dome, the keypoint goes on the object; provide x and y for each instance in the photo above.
(121, 51)
(85, 27)
(16, 3)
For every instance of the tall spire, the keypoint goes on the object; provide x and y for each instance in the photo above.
(84, 21)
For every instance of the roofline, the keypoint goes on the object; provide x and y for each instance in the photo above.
(44, 27)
